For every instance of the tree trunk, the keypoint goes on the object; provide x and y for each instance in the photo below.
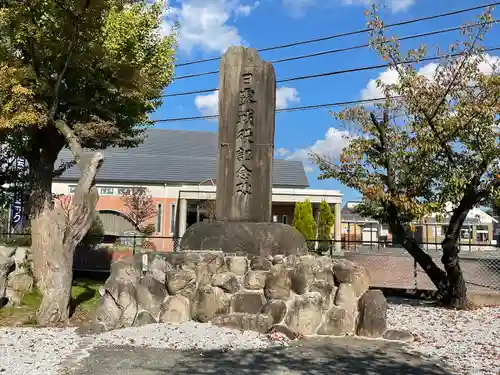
(55, 233)
(52, 260)
(41, 167)
(424, 260)
(54, 267)
(457, 288)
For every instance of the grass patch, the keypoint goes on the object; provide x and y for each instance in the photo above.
(84, 299)
(85, 294)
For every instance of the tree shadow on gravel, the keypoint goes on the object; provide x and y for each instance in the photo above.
(413, 301)
(311, 359)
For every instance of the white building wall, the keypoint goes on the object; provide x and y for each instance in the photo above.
(283, 195)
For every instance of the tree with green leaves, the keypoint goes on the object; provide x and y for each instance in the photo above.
(431, 142)
(82, 74)
(325, 223)
(303, 220)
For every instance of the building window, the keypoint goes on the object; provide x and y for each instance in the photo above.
(172, 218)
(159, 218)
(72, 189)
(466, 232)
(284, 219)
(482, 234)
(106, 191)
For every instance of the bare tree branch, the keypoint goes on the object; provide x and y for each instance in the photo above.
(73, 142)
(140, 205)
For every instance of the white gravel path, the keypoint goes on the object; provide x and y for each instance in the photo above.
(35, 351)
(467, 341)
(43, 351)
(186, 336)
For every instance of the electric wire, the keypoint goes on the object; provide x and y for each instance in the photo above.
(332, 73)
(344, 49)
(282, 110)
(355, 32)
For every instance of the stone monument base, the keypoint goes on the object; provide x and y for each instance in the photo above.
(264, 239)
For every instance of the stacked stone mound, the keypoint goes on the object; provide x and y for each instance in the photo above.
(15, 275)
(304, 295)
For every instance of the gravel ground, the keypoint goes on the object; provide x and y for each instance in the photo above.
(42, 351)
(35, 351)
(186, 336)
(468, 342)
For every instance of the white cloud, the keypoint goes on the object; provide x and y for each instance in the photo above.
(490, 64)
(206, 24)
(372, 91)
(208, 105)
(245, 10)
(281, 151)
(394, 5)
(285, 96)
(390, 76)
(297, 8)
(330, 147)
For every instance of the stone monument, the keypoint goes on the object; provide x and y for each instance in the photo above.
(247, 100)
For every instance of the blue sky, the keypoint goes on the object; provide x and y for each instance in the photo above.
(208, 27)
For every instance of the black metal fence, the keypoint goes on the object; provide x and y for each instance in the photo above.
(389, 265)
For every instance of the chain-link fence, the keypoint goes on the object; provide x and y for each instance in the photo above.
(391, 266)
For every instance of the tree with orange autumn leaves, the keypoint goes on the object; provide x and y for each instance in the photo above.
(433, 141)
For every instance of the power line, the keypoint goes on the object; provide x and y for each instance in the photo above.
(332, 73)
(345, 49)
(350, 33)
(291, 109)
(300, 78)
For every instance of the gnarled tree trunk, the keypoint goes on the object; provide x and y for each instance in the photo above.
(55, 234)
(457, 288)
(436, 274)
(41, 167)
(424, 260)
(53, 261)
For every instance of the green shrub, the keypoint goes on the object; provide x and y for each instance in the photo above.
(303, 220)
(325, 223)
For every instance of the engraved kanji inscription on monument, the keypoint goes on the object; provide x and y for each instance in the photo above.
(244, 141)
(247, 97)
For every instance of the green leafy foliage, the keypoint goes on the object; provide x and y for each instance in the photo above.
(432, 144)
(433, 140)
(325, 223)
(83, 74)
(100, 66)
(303, 220)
